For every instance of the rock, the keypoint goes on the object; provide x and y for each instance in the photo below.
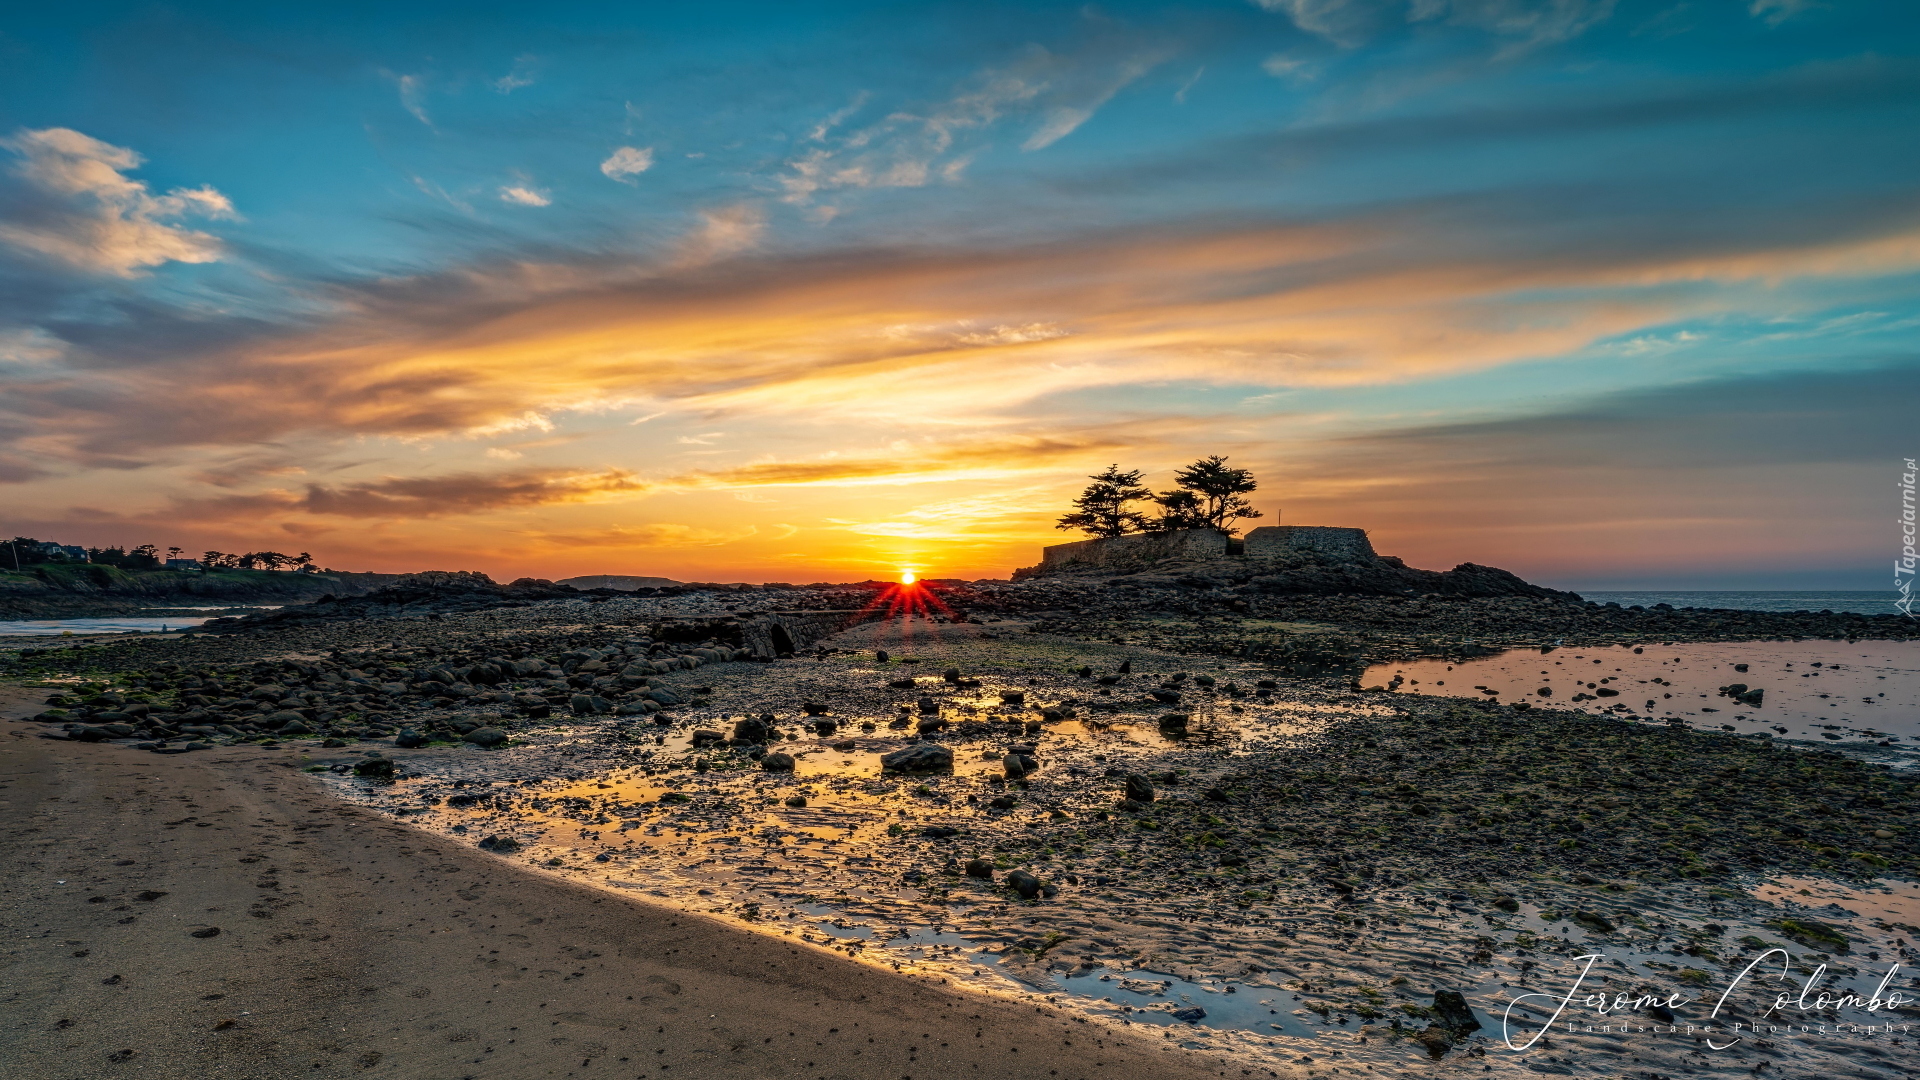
(295, 727)
(1139, 788)
(278, 719)
(1599, 924)
(748, 730)
(920, 757)
(409, 739)
(707, 737)
(1024, 883)
(980, 868)
(1192, 1015)
(846, 746)
(89, 734)
(1450, 1011)
(795, 801)
(333, 744)
(1174, 723)
(1506, 903)
(780, 763)
(486, 736)
(500, 845)
(939, 832)
(1018, 765)
(881, 655)
(1165, 696)
(951, 675)
(374, 766)
(928, 724)
(813, 708)
(927, 704)
(824, 727)
(1013, 697)
(1003, 802)
(205, 932)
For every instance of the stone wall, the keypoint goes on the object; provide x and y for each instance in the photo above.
(1139, 549)
(1347, 545)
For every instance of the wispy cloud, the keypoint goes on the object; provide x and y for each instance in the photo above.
(413, 90)
(427, 496)
(1776, 12)
(524, 195)
(520, 77)
(78, 207)
(626, 163)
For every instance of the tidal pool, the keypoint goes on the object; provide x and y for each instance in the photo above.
(1827, 691)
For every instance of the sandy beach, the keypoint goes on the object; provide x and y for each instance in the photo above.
(347, 945)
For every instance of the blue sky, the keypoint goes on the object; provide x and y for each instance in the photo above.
(1606, 293)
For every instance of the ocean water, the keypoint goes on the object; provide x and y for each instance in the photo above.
(1872, 602)
(81, 627)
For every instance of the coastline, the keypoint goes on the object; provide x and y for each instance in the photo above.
(388, 951)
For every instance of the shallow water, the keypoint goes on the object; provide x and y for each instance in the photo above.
(116, 625)
(77, 627)
(1827, 691)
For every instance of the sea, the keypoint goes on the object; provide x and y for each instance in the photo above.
(1869, 602)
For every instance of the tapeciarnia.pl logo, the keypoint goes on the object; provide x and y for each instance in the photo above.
(1903, 567)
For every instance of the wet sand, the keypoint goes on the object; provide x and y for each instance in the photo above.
(349, 945)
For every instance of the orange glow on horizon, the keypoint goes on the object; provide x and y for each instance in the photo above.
(908, 577)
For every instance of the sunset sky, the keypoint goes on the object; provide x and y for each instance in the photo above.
(1606, 293)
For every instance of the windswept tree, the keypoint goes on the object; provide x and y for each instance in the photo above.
(1209, 496)
(1102, 509)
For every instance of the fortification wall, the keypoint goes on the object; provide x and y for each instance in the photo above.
(1347, 545)
(1135, 550)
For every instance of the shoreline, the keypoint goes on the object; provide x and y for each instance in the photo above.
(425, 984)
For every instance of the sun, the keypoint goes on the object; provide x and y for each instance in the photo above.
(908, 577)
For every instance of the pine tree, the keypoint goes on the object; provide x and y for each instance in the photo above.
(1208, 497)
(1102, 507)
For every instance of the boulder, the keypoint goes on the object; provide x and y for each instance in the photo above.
(1174, 723)
(486, 736)
(295, 727)
(277, 719)
(707, 737)
(920, 757)
(1024, 883)
(777, 762)
(748, 730)
(1451, 1013)
(500, 845)
(375, 767)
(1018, 765)
(409, 739)
(1139, 788)
(980, 868)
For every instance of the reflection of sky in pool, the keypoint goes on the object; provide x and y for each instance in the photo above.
(1866, 690)
(127, 625)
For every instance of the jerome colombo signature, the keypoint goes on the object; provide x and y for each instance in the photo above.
(1804, 1001)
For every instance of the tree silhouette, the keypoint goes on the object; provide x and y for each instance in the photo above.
(1208, 497)
(1102, 507)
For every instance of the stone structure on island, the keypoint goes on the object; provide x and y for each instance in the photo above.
(1267, 542)
(1275, 559)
